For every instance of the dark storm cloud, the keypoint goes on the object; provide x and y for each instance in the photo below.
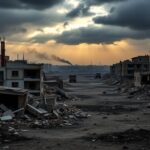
(28, 4)
(14, 21)
(11, 20)
(83, 8)
(124, 16)
(14, 18)
(133, 14)
(95, 35)
(99, 35)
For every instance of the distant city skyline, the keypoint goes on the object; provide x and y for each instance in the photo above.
(80, 32)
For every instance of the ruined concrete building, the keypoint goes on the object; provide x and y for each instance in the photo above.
(13, 98)
(141, 63)
(20, 74)
(123, 69)
(127, 68)
(141, 78)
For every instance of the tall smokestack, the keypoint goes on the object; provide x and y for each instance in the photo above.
(3, 62)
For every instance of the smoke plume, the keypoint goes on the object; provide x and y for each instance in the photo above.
(39, 54)
(45, 56)
(56, 58)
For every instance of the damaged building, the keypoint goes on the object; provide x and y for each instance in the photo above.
(141, 63)
(13, 98)
(141, 78)
(123, 69)
(127, 68)
(20, 74)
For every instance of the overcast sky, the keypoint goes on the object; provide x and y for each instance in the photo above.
(81, 31)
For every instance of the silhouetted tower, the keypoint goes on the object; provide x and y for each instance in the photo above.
(3, 61)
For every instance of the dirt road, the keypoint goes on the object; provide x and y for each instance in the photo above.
(112, 116)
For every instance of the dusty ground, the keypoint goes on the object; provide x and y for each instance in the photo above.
(115, 122)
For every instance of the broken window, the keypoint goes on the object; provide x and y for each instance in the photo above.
(10, 101)
(130, 65)
(130, 71)
(34, 74)
(15, 73)
(145, 79)
(146, 66)
(138, 66)
(1, 75)
(15, 84)
(32, 85)
(1, 83)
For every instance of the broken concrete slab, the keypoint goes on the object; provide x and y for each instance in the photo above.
(42, 110)
(8, 113)
(6, 118)
(3, 107)
(19, 110)
(36, 103)
(56, 113)
(34, 111)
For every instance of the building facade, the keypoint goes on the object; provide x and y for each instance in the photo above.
(21, 74)
(141, 63)
(141, 78)
(127, 68)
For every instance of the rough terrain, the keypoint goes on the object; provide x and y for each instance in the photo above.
(116, 122)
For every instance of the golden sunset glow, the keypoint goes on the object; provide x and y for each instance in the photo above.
(84, 54)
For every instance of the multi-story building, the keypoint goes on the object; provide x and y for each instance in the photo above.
(123, 69)
(127, 68)
(21, 74)
(116, 69)
(141, 63)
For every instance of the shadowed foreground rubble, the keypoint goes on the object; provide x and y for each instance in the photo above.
(117, 117)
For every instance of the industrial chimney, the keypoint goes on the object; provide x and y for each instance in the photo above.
(3, 62)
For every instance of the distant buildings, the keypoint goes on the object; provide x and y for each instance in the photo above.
(20, 74)
(138, 68)
(127, 68)
(123, 69)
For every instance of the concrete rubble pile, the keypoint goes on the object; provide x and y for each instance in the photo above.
(127, 87)
(43, 112)
(140, 93)
(21, 111)
(60, 117)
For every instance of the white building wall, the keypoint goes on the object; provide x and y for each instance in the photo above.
(10, 77)
(8, 83)
(137, 79)
(3, 70)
